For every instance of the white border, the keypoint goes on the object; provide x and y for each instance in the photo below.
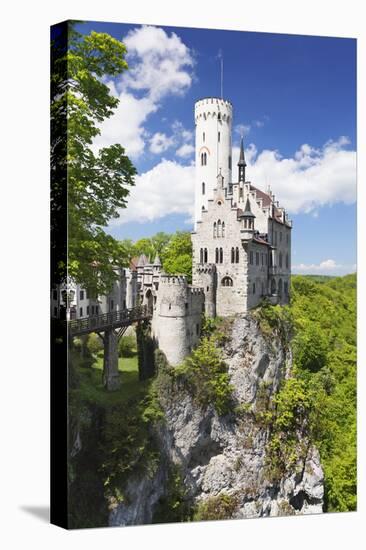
(24, 275)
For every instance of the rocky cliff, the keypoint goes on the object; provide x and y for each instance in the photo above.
(222, 462)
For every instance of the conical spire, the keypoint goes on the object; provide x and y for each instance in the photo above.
(248, 211)
(242, 164)
(157, 261)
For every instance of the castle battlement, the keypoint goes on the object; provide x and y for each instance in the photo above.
(206, 268)
(196, 290)
(179, 280)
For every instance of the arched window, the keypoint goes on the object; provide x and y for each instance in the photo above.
(205, 158)
(219, 228)
(203, 188)
(219, 116)
(201, 255)
(237, 255)
(205, 256)
(217, 255)
(280, 287)
(287, 264)
(201, 159)
(273, 286)
(215, 229)
(280, 259)
(227, 281)
(223, 229)
(221, 256)
(232, 255)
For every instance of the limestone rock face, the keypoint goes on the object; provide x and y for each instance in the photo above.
(226, 455)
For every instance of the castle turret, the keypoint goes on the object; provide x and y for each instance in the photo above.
(247, 223)
(205, 276)
(213, 119)
(177, 326)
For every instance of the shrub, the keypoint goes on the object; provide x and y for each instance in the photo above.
(206, 375)
(94, 343)
(222, 506)
(127, 346)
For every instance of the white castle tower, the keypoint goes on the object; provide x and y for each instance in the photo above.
(213, 119)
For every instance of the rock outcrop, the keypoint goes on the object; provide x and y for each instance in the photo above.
(226, 455)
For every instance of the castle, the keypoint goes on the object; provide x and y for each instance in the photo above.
(241, 249)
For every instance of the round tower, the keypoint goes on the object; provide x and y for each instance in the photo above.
(170, 325)
(213, 120)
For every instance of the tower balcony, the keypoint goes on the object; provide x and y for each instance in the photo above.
(246, 234)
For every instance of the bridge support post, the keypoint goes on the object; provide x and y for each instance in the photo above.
(111, 377)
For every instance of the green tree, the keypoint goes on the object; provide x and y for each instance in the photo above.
(97, 182)
(178, 255)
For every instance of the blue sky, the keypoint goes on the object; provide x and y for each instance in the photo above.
(294, 97)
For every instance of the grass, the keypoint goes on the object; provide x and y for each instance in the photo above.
(91, 385)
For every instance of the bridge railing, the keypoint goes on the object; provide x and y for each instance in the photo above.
(118, 318)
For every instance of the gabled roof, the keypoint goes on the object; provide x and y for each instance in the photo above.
(266, 199)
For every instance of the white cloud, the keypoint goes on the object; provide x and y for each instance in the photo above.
(159, 65)
(242, 129)
(326, 267)
(312, 178)
(160, 143)
(185, 150)
(168, 188)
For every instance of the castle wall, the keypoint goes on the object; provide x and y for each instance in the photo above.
(229, 299)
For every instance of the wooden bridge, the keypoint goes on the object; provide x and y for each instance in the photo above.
(110, 327)
(108, 321)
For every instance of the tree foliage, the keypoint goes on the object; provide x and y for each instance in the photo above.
(97, 182)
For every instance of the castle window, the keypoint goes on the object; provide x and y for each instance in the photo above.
(203, 159)
(230, 162)
(87, 310)
(203, 208)
(280, 259)
(207, 289)
(257, 258)
(287, 264)
(217, 255)
(221, 256)
(203, 136)
(197, 330)
(273, 286)
(203, 188)
(219, 116)
(280, 287)
(218, 137)
(270, 259)
(81, 295)
(201, 255)
(227, 281)
(170, 306)
(111, 305)
(205, 256)
(223, 229)
(81, 312)
(219, 228)
(186, 304)
(232, 255)
(253, 288)
(237, 255)
(245, 223)
(275, 238)
(215, 230)
(251, 257)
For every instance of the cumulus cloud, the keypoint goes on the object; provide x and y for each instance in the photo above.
(160, 143)
(312, 178)
(326, 267)
(168, 188)
(186, 150)
(160, 64)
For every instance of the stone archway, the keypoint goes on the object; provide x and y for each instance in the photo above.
(149, 301)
